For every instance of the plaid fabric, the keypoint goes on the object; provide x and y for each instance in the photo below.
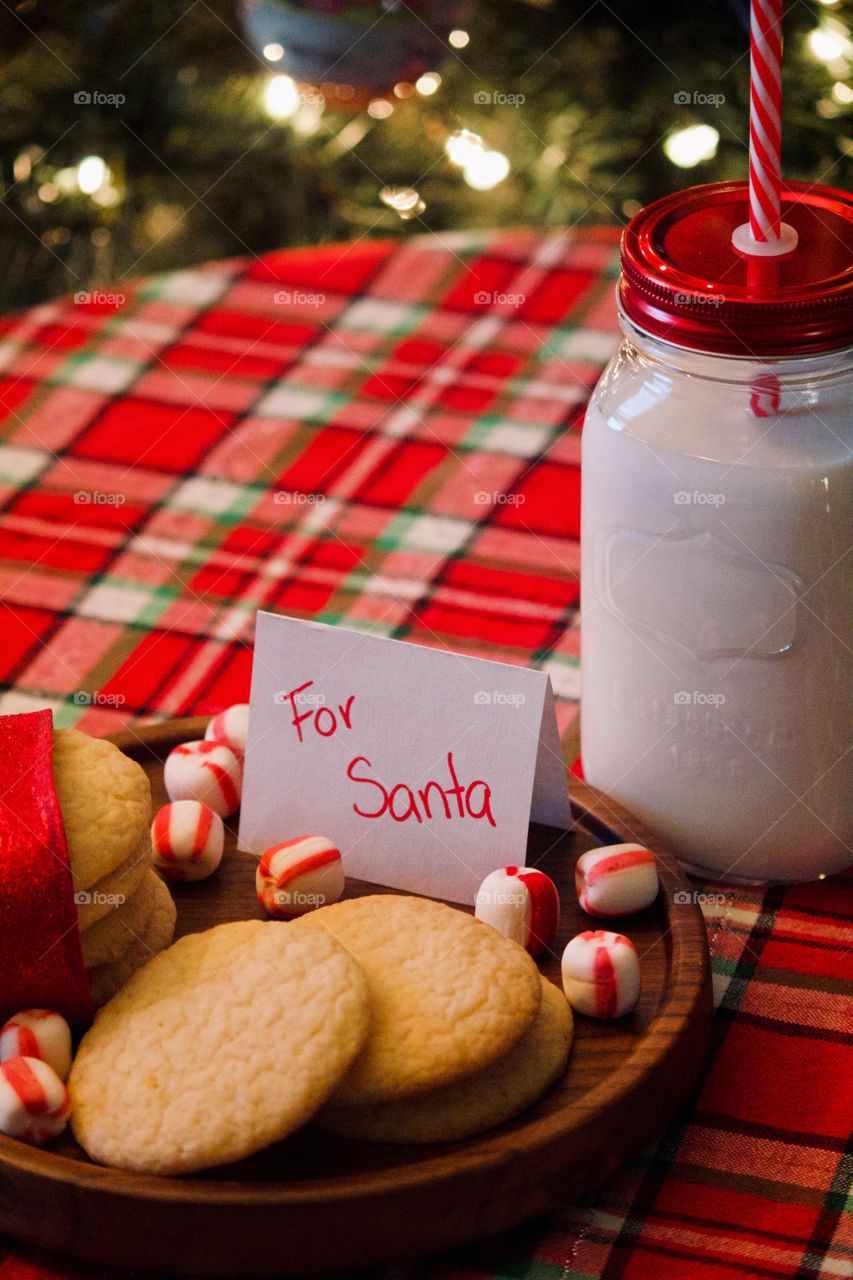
(387, 436)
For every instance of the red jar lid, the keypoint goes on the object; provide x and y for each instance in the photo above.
(683, 281)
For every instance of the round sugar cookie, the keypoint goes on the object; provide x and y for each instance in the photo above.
(490, 1097)
(448, 994)
(106, 979)
(105, 800)
(101, 899)
(223, 1044)
(108, 939)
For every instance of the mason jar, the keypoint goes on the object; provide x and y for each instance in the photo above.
(716, 539)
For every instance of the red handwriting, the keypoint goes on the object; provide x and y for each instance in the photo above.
(402, 803)
(451, 798)
(323, 718)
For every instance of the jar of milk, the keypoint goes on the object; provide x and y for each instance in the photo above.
(716, 532)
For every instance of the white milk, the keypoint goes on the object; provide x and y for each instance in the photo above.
(716, 606)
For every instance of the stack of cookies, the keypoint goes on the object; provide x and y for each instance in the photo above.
(384, 1019)
(465, 1031)
(124, 910)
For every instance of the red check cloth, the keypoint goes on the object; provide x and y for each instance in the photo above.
(387, 436)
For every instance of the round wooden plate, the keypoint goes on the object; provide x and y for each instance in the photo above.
(314, 1202)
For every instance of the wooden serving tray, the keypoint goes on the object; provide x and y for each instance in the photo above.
(315, 1202)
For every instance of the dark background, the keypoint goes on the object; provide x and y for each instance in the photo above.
(198, 169)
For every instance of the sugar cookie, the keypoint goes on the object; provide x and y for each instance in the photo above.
(449, 995)
(105, 800)
(101, 899)
(489, 1097)
(223, 1044)
(106, 979)
(106, 941)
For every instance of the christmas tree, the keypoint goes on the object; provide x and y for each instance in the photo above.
(138, 137)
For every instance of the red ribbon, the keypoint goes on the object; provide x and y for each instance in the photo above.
(41, 955)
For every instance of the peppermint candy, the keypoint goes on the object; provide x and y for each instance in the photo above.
(231, 726)
(187, 839)
(38, 1033)
(601, 974)
(205, 771)
(616, 880)
(298, 876)
(522, 904)
(34, 1102)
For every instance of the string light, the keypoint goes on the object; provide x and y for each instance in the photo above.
(307, 119)
(428, 83)
(405, 201)
(48, 192)
(66, 179)
(829, 42)
(690, 146)
(458, 38)
(461, 147)
(842, 93)
(281, 98)
(92, 173)
(273, 52)
(380, 109)
(56, 235)
(350, 136)
(485, 170)
(22, 167)
(552, 157)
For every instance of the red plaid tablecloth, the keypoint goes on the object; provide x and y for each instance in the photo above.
(387, 436)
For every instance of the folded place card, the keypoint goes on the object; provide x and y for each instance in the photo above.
(423, 766)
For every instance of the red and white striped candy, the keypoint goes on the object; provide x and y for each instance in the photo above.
(231, 726)
(38, 1033)
(34, 1103)
(616, 880)
(187, 839)
(299, 876)
(205, 771)
(522, 904)
(601, 974)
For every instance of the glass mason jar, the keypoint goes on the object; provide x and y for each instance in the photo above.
(716, 531)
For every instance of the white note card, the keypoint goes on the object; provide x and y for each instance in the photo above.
(422, 765)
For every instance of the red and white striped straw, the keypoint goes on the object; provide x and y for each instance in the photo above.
(765, 121)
